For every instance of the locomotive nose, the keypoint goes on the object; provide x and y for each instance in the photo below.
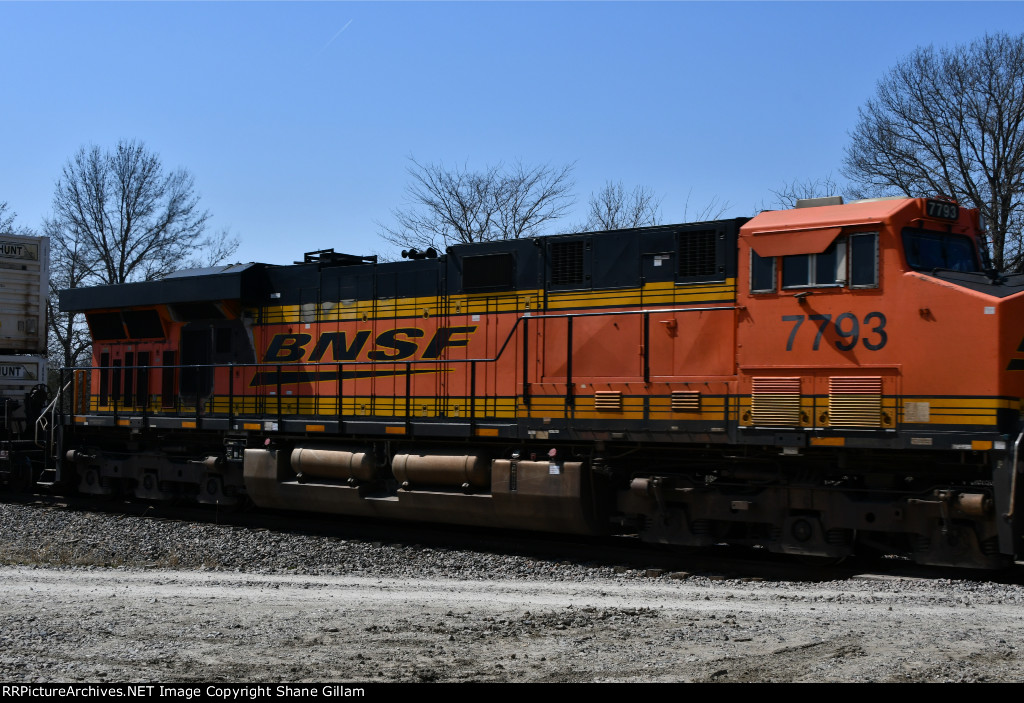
(1010, 315)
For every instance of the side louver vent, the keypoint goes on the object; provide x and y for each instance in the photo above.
(776, 402)
(697, 253)
(855, 402)
(686, 401)
(567, 263)
(608, 401)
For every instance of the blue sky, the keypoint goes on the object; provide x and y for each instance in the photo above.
(297, 118)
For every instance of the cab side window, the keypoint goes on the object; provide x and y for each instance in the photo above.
(762, 273)
(850, 261)
(824, 269)
(864, 260)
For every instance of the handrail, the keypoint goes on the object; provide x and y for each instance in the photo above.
(51, 409)
(1013, 476)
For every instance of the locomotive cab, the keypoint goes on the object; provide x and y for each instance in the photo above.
(871, 351)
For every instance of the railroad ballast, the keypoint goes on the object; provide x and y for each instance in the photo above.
(817, 381)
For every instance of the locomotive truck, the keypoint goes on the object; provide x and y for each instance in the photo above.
(819, 381)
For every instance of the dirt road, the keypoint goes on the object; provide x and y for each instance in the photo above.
(96, 624)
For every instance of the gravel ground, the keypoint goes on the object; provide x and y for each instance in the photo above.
(95, 597)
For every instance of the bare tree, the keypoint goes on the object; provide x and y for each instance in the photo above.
(7, 222)
(950, 123)
(457, 206)
(713, 210)
(118, 216)
(787, 196)
(613, 208)
(215, 249)
(69, 340)
(130, 218)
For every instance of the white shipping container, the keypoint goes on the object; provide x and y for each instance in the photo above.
(24, 287)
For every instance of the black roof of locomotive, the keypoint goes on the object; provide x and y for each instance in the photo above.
(614, 259)
(232, 282)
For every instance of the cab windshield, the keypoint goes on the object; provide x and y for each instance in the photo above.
(928, 251)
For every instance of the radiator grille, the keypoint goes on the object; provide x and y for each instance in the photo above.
(686, 401)
(697, 253)
(567, 263)
(855, 401)
(776, 402)
(608, 400)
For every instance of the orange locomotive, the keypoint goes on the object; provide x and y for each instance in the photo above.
(816, 381)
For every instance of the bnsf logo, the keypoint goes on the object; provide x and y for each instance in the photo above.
(391, 345)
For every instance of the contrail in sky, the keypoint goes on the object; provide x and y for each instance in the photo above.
(335, 36)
